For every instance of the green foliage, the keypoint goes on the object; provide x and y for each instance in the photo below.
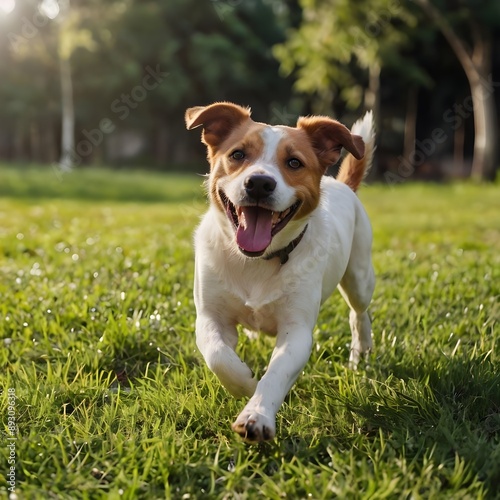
(337, 35)
(210, 54)
(206, 51)
(114, 400)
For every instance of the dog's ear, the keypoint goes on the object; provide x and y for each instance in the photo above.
(328, 137)
(218, 120)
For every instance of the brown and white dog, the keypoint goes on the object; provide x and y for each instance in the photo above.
(277, 240)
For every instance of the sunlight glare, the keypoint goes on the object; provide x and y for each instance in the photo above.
(49, 8)
(7, 5)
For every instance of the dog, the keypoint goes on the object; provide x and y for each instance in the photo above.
(278, 237)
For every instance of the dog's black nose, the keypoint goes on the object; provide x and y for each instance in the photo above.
(259, 186)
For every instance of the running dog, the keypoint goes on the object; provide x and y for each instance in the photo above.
(278, 238)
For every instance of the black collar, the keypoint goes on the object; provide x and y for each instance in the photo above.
(284, 253)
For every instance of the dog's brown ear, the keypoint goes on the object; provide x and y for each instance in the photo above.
(218, 120)
(328, 137)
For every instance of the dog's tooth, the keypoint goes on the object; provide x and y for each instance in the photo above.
(243, 221)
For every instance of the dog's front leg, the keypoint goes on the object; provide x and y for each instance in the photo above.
(257, 421)
(217, 343)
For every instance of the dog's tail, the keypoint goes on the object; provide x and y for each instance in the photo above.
(352, 171)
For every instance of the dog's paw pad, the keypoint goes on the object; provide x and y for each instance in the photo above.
(254, 428)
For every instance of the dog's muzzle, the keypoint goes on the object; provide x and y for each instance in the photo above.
(255, 223)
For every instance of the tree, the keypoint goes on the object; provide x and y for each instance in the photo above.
(337, 39)
(30, 89)
(338, 36)
(73, 33)
(475, 56)
(64, 50)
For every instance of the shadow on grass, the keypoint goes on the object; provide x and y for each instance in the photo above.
(451, 406)
(434, 425)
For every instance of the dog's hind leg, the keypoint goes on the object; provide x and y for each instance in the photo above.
(357, 287)
(217, 343)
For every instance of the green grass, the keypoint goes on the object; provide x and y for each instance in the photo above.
(114, 401)
(35, 182)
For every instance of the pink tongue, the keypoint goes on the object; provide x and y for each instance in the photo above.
(256, 235)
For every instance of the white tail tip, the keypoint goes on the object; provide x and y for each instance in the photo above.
(365, 127)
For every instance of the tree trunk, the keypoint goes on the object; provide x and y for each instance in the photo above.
(410, 126)
(485, 129)
(162, 143)
(477, 67)
(68, 115)
(52, 143)
(19, 142)
(35, 143)
(458, 149)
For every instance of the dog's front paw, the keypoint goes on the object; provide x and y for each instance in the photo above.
(355, 357)
(254, 427)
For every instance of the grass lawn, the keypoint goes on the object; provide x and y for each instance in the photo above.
(112, 399)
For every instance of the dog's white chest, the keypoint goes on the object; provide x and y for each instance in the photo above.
(262, 319)
(257, 302)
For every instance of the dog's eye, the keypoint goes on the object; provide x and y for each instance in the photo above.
(294, 163)
(237, 155)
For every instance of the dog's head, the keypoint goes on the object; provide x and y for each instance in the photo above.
(263, 177)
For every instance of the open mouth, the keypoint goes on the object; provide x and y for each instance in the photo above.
(255, 226)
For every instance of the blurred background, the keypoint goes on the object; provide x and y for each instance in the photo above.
(92, 83)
